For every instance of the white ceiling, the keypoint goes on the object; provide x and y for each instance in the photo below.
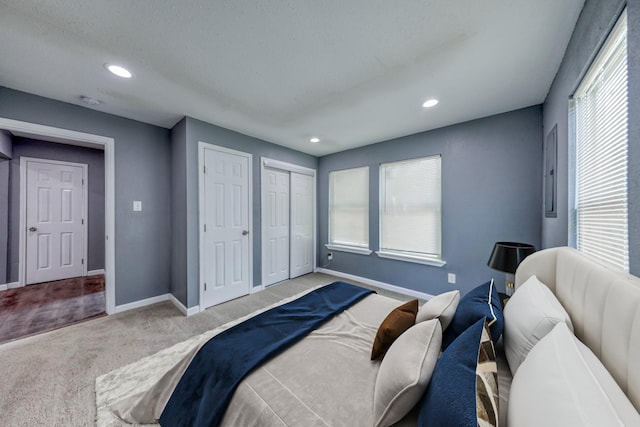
(352, 72)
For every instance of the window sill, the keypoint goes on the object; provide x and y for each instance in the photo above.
(351, 249)
(412, 258)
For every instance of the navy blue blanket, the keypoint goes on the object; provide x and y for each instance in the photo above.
(206, 387)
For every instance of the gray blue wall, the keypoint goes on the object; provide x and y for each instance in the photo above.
(185, 138)
(595, 22)
(492, 186)
(179, 271)
(94, 159)
(142, 169)
(6, 144)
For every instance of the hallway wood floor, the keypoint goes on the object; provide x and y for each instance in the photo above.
(46, 306)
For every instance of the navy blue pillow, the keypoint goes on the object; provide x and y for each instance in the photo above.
(450, 399)
(482, 302)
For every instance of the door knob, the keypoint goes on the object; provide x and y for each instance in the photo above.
(33, 229)
(245, 232)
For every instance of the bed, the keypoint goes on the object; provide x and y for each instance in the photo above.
(329, 379)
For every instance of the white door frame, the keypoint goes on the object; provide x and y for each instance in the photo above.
(201, 208)
(266, 162)
(70, 137)
(23, 209)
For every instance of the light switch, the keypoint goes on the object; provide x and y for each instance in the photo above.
(137, 205)
(452, 278)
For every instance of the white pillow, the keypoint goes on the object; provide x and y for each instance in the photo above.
(557, 385)
(441, 307)
(405, 372)
(529, 315)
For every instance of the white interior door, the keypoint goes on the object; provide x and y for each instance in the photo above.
(301, 224)
(225, 259)
(56, 229)
(275, 226)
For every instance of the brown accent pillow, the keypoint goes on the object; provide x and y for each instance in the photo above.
(399, 320)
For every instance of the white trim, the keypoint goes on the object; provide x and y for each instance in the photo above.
(95, 272)
(22, 245)
(13, 285)
(3, 288)
(351, 249)
(70, 137)
(381, 285)
(208, 146)
(142, 303)
(184, 310)
(155, 300)
(412, 258)
(256, 289)
(277, 164)
(22, 264)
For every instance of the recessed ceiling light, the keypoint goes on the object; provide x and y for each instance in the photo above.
(119, 71)
(315, 139)
(430, 103)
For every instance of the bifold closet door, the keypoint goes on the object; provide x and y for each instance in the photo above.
(276, 226)
(301, 224)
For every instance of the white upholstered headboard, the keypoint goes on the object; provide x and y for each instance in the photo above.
(604, 307)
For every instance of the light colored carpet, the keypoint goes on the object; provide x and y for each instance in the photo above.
(49, 379)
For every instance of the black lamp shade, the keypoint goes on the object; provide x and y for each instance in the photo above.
(506, 256)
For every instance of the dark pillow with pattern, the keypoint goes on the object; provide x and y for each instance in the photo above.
(399, 320)
(482, 302)
(464, 387)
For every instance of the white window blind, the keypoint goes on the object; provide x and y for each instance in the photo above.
(349, 207)
(410, 207)
(601, 154)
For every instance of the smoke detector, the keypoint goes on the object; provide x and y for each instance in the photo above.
(90, 100)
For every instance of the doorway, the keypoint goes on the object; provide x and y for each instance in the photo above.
(225, 224)
(288, 221)
(69, 137)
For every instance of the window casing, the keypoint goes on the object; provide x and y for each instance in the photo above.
(411, 210)
(599, 213)
(349, 210)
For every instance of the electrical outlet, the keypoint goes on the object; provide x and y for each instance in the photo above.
(330, 256)
(452, 278)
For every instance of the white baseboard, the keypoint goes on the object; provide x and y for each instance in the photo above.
(13, 285)
(382, 285)
(142, 303)
(95, 272)
(154, 300)
(184, 310)
(3, 287)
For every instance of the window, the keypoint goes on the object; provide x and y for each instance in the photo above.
(349, 210)
(410, 210)
(600, 103)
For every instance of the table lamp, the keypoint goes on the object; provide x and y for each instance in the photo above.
(506, 257)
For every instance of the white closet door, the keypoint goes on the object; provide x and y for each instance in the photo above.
(275, 226)
(301, 224)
